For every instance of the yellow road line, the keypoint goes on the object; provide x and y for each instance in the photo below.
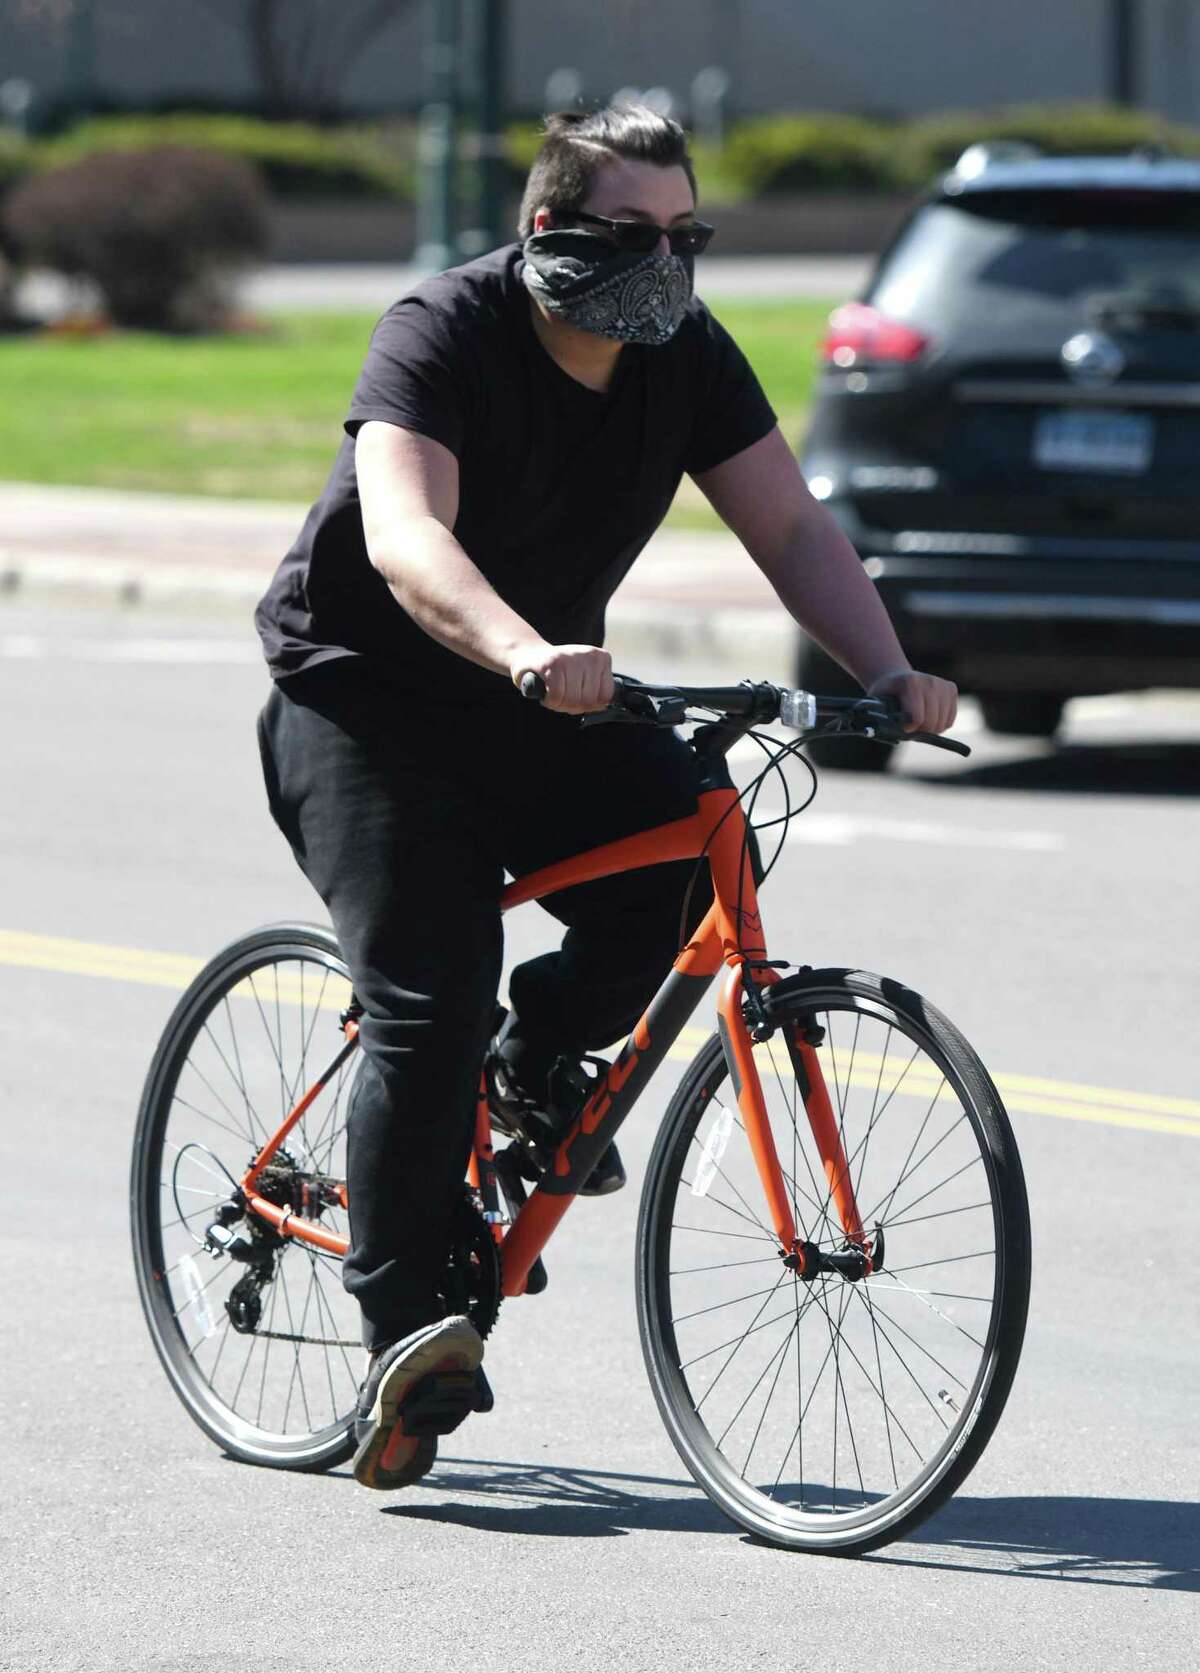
(92, 958)
(1032, 1093)
(1120, 1109)
(1028, 1094)
(164, 970)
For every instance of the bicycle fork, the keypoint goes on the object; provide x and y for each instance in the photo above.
(859, 1255)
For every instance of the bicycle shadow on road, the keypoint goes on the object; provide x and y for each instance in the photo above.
(1149, 1543)
(1130, 769)
(565, 1503)
(1118, 1542)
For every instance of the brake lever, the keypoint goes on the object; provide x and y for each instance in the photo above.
(938, 742)
(665, 711)
(894, 733)
(898, 737)
(612, 717)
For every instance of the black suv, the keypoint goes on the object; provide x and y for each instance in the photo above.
(1008, 429)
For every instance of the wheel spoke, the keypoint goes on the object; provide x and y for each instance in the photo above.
(778, 1355)
(975, 1161)
(882, 1212)
(708, 1231)
(205, 1116)
(721, 1266)
(750, 1214)
(882, 1313)
(749, 1219)
(735, 1342)
(240, 1076)
(735, 1301)
(794, 1105)
(251, 1132)
(940, 1214)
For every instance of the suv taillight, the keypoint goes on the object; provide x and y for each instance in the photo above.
(859, 333)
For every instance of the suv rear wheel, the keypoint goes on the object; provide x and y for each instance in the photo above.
(1029, 714)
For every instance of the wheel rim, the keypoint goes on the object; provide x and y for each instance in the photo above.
(255, 1037)
(826, 1410)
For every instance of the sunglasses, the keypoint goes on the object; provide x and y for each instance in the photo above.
(640, 237)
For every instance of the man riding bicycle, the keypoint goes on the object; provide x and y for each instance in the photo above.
(518, 431)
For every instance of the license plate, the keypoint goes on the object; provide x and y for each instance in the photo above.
(1093, 441)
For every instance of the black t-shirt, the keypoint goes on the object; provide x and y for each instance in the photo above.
(559, 487)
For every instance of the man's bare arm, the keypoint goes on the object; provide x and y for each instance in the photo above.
(408, 489)
(761, 494)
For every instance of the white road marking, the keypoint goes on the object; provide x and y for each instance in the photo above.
(841, 830)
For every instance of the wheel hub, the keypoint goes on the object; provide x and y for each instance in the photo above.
(851, 1261)
(287, 1185)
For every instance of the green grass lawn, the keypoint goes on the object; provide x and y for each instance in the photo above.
(258, 414)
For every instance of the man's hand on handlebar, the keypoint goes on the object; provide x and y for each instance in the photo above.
(578, 678)
(929, 703)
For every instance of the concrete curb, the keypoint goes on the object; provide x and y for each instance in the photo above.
(652, 634)
(35, 577)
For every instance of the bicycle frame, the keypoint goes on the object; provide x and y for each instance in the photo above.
(730, 936)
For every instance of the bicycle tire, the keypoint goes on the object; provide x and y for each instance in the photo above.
(809, 1511)
(206, 1079)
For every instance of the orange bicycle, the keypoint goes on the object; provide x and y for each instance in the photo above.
(833, 1247)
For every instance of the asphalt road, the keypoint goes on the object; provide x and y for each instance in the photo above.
(1044, 897)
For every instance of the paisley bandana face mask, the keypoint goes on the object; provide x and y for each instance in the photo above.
(585, 281)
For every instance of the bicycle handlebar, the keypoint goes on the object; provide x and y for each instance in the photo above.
(802, 711)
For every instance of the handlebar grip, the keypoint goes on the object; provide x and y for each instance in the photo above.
(533, 686)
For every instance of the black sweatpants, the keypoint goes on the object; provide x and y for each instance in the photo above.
(404, 818)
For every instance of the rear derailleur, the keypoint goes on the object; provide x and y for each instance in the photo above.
(257, 1252)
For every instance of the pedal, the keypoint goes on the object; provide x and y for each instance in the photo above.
(508, 1165)
(484, 1398)
(439, 1402)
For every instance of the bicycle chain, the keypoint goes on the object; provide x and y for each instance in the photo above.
(474, 1237)
(309, 1341)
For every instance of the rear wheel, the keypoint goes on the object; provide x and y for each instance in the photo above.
(1028, 714)
(834, 1415)
(265, 1351)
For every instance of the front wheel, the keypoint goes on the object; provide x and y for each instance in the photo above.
(834, 1415)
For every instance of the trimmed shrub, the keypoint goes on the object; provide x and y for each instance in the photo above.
(810, 153)
(159, 232)
(294, 158)
(522, 141)
(16, 158)
(14, 165)
(839, 153)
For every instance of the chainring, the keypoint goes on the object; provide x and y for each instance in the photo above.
(473, 1275)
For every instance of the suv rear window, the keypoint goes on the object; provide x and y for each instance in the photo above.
(1020, 260)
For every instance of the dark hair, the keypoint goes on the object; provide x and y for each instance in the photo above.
(578, 142)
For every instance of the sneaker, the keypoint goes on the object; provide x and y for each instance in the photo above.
(421, 1387)
(541, 1125)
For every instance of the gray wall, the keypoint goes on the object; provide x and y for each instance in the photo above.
(901, 56)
